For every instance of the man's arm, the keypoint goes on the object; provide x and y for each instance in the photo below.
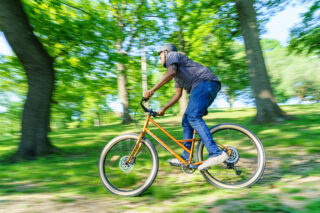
(171, 72)
(173, 100)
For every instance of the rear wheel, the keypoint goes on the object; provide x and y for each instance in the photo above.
(128, 179)
(246, 163)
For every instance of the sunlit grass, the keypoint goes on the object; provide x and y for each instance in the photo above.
(75, 169)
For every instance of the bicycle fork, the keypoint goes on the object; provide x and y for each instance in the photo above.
(138, 145)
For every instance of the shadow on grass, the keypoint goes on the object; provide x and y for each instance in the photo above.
(75, 169)
(289, 167)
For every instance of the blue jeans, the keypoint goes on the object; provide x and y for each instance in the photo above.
(200, 99)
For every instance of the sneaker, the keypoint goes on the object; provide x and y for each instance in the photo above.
(213, 161)
(175, 162)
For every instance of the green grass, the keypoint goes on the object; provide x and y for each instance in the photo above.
(292, 152)
(290, 190)
(312, 206)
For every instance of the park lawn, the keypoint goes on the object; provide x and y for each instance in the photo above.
(291, 182)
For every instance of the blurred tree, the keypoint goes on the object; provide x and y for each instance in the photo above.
(305, 37)
(267, 108)
(144, 69)
(12, 89)
(291, 75)
(180, 10)
(134, 21)
(194, 32)
(128, 15)
(205, 31)
(79, 35)
(38, 66)
(212, 44)
(85, 57)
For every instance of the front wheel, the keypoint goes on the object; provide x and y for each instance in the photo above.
(246, 163)
(131, 179)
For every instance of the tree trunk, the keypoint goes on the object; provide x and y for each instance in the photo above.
(144, 70)
(267, 108)
(38, 66)
(123, 93)
(122, 89)
(183, 103)
(230, 99)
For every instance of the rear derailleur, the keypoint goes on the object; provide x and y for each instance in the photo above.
(232, 166)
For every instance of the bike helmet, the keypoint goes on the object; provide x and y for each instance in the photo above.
(168, 47)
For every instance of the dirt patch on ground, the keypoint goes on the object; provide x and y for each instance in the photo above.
(62, 203)
(285, 178)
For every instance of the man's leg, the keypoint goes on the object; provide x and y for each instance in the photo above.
(200, 99)
(203, 131)
(187, 134)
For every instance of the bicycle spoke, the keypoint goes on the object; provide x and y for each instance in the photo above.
(127, 176)
(239, 168)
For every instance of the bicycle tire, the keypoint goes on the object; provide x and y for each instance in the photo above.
(107, 166)
(212, 174)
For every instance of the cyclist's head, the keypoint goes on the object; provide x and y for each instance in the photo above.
(164, 50)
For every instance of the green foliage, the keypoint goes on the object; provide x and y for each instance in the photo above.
(205, 31)
(12, 91)
(82, 38)
(305, 37)
(291, 75)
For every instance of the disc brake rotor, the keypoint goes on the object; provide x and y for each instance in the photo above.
(234, 157)
(125, 167)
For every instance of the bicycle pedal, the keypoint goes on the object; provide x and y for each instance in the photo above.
(176, 164)
(191, 166)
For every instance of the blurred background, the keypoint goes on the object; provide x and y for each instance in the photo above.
(102, 55)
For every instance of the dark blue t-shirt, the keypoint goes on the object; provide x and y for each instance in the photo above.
(190, 74)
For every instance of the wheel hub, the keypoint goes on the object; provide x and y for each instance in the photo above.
(125, 167)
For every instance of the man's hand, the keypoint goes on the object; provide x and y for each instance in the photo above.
(148, 94)
(161, 112)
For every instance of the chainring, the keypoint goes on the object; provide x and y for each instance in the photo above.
(187, 170)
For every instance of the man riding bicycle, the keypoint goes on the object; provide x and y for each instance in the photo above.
(203, 87)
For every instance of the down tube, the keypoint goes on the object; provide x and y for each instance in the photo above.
(166, 147)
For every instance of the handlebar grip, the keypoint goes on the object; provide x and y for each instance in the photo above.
(155, 114)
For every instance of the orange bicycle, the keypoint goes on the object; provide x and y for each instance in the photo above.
(129, 163)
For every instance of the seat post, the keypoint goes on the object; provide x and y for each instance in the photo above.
(194, 134)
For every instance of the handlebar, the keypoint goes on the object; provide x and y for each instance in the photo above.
(150, 111)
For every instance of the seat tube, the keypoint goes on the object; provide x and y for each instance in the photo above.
(192, 146)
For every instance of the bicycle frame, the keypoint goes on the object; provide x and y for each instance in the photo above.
(138, 145)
